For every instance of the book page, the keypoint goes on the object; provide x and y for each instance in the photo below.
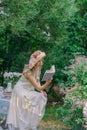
(49, 73)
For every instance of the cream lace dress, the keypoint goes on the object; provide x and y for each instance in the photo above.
(27, 106)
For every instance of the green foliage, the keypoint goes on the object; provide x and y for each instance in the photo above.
(77, 29)
(72, 118)
(71, 113)
(77, 72)
(30, 25)
(27, 15)
(50, 113)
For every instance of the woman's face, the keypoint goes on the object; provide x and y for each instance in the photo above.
(40, 63)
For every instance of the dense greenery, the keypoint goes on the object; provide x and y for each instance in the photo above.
(30, 25)
(71, 113)
(57, 27)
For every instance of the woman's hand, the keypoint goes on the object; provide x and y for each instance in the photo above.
(44, 93)
(49, 81)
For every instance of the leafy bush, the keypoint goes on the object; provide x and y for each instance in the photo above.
(71, 113)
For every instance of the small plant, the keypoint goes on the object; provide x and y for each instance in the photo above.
(11, 77)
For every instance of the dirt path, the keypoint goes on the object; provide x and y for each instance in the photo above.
(50, 125)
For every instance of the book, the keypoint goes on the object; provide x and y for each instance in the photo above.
(49, 73)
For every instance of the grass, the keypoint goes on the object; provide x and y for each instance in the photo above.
(50, 120)
(50, 113)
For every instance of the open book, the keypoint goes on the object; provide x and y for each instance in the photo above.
(49, 73)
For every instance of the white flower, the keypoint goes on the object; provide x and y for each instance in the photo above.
(11, 74)
(5, 74)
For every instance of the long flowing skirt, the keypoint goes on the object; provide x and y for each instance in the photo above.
(26, 109)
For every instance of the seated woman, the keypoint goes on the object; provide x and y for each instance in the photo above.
(27, 106)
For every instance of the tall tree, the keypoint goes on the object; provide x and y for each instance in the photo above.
(26, 25)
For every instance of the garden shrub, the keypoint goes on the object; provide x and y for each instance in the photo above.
(71, 113)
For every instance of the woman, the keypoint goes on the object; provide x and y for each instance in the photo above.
(27, 105)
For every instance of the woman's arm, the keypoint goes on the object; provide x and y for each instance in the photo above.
(34, 83)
